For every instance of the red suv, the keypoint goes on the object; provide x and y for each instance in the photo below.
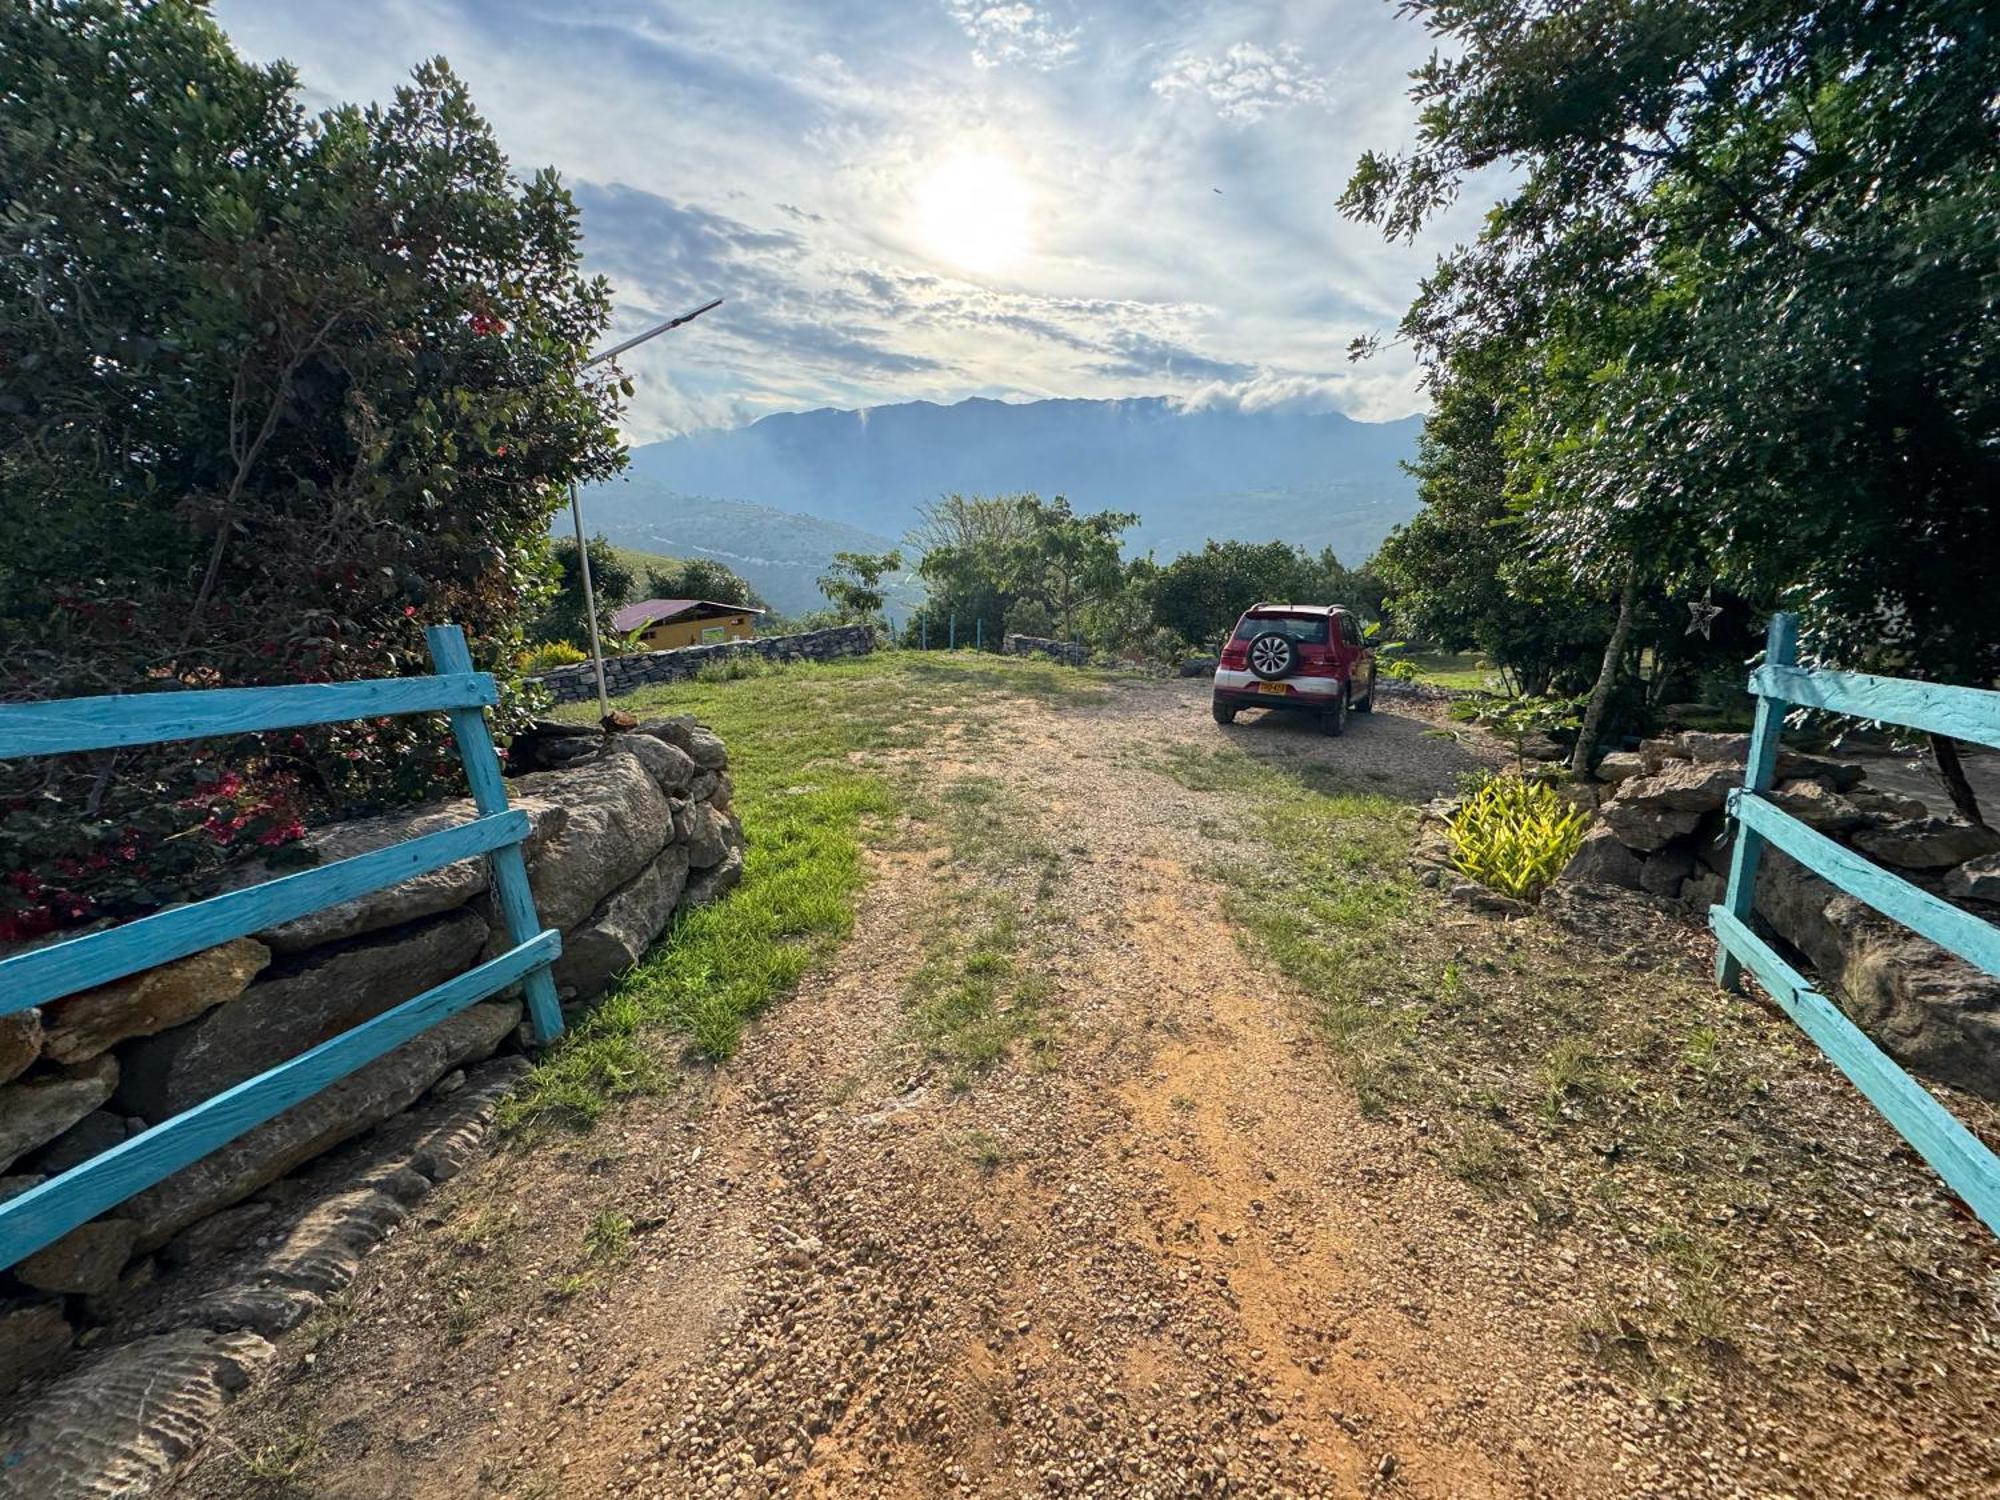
(1310, 658)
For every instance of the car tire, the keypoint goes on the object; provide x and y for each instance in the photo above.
(1224, 714)
(1272, 655)
(1367, 705)
(1333, 721)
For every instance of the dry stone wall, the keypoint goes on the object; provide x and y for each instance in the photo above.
(627, 831)
(627, 674)
(1068, 652)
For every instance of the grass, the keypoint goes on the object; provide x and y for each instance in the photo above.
(1467, 670)
(971, 1002)
(608, 1237)
(279, 1463)
(817, 758)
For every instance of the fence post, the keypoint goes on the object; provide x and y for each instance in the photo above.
(979, 633)
(951, 639)
(924, 634)
(489, 795)
(1781, 649)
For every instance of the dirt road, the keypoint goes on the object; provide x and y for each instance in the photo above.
(1154, 1249)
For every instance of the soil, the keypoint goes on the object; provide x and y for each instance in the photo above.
(1170, 1257)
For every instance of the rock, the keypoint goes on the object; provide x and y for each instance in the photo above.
(1620, 765)
(1541, 747)
(218, 1233)
(117, 1303)
(20, 1042)
(1975, 880)
(1892, 805)
(1927, 843)
(1932, 1011)
(1469, 893)
(724, 794)
(624, 926)
(87, 1259)
(670, 766)
(701, 743)
(94, 1134)
(1704, 746)
(707, 840)
(704, 785)
(1703, 889)
(1601, 859)
(1199, 666)
(33, 1335)
(1815, 804)
(302, 1002)
(619, 820)
(423, 895)
(1841, 775)
(125, 1421)
(42, 1106)
(1644, 826)
(1682, 786)
(1662, 873)
(1654, 754)
(712, 885)
(78, 1027)
(19, 1183)
(324, 1249)
(365, 1098)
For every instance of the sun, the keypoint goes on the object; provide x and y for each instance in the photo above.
(973, 209)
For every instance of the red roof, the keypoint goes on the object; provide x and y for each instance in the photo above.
(657, 611)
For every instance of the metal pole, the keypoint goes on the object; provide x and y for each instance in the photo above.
(951, 640)
(924, 634)
(979, 633)
(589, 605)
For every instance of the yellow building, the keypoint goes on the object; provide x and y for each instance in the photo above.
(667, 623)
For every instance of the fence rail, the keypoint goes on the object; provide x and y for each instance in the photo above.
(1959, 1157)
(51, 1209)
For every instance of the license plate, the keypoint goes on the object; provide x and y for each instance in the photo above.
(1273, 687)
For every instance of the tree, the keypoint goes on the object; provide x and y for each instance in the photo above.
(854, 583)
(1066, 559)
(1746, 260)
(564, 618)
(1199, 595)
(700, 578)
(274, 394)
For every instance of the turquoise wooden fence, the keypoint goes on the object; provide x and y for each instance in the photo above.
(51, 1209)
(1972, 1171)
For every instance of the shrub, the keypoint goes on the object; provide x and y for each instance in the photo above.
(1515, 835)
(550, 655)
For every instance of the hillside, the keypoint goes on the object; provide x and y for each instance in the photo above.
(807, 484)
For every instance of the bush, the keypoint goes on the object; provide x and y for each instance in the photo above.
(1515, 836)
(550, 655)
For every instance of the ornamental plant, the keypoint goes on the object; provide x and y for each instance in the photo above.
(1515, 835)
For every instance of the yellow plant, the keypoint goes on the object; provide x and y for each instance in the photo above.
(1515, 836)
(547, 657)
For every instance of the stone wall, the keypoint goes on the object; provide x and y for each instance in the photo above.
(1662, 830)
(626, 674)
(1068, 652)
(625, 832)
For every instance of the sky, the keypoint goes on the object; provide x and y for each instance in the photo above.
(936, 199)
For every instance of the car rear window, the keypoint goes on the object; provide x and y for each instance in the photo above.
(1307, 630)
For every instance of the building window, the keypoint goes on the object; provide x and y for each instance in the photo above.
(713, 633)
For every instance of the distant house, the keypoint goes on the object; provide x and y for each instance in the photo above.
(666, 623)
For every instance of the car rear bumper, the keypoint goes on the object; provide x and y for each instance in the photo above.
(1240, 689)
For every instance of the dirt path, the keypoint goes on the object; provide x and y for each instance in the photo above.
(1164, 1255)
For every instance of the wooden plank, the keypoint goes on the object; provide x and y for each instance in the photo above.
(450, 656)
(1937, 708)
(1972, 939)
(1972, 1171)
(1781, 645)
(47, 1212)
(66, 725)
(44, 974)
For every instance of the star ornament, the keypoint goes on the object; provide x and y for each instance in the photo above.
(1702, 615)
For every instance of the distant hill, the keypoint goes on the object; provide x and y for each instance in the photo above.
(796, 487)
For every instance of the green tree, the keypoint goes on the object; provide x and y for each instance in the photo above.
(274, 392)
(854, 583)
(1746, 257)
(612, 583)
(701, 578)
(1066, 560)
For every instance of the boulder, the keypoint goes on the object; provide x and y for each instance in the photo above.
(1706, 746)
(1602, 860)
(18, 1183)
(1703, 889)
(618, 822)
(344, 1109)
(303, 1002)
(1656, 753)
(670, 766)
(1927, 843)
(41, 1107)
(712, 885)
(623, 927)
(1663, 873)
(219, 1233)
(707, 837)
(1682, 786)
(1891, 805)
(423, 895)
(1975, 880)
(1542, 747)
(87, 1259)
(1841, 775)
(1642, 825)
(1620, 765)
(96, 1133)
(78, 1027)
(1814, 803)
(20, 1042)
(701, 743)
(704, 785)
(724, 794)
(33, 1335)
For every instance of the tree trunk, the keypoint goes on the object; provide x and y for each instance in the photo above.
(1952, 772)
(1607, 678)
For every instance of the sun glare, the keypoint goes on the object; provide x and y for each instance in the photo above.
(972, 209)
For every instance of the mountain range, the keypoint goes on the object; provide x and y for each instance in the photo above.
(777, 498)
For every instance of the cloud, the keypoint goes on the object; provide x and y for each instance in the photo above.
(1015, 32)
(1372, 394)
(1245, 83)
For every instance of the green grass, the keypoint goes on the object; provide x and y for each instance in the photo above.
(1453, 669)
(814, 759)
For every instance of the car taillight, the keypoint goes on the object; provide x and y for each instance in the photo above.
(1318, 664)
(1235, 654)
